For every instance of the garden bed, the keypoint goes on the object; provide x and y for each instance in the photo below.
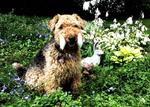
(112, 83)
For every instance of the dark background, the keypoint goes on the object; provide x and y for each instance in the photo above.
(40, 7)
(53, 7)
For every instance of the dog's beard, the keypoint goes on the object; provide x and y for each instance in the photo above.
(63, 42)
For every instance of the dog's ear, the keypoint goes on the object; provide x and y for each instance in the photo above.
(81, 21)
(52, 22)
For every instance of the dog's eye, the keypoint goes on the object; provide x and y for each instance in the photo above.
(76, 26)
(61, 27)
(82, 28)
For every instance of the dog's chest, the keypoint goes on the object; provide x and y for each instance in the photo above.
(68, 70)
(69, 64)
(62, 65)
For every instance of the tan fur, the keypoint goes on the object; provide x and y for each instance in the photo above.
(66, 25)
(60, 68)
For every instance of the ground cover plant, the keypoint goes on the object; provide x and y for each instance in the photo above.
(121, 80)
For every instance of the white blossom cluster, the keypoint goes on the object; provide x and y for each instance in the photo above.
(96, 7)
(88, 4)
(130, 33)
(92, 7)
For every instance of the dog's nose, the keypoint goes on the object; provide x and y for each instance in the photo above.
(72, 41)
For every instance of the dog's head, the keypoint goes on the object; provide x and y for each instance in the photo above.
(67, 30)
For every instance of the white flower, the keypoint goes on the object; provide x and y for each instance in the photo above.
(112, 34)
(143, 28)
(129, 21)
(107, 14)
(138, 34)
(136, 51)
(122, 36)
(140, 24)
(113, 47)
(111, 89)
(93, 2)
(3, 88)
(146, 39)
(142, 15)
(127, 32)
(86, 5)
(113, 26)
(125, 25)
(100, 22)
(143, 42)
(27, 97)
(137, 22)
(92, 33)
(105, 30)
(115, 21)
(98, 1)
(97, 13)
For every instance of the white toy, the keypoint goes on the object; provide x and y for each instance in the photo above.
(94, 60)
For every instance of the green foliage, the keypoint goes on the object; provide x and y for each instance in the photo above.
(121, 42)
(108, 85)
(126, 55)
(132, 33)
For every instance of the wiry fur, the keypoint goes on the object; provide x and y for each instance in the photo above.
(52, 67)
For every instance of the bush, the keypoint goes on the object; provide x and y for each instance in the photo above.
(130, 37)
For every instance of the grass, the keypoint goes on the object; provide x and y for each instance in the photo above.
(146, 22)
(109, 86)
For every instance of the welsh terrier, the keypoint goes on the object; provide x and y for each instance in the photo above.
(58, 64)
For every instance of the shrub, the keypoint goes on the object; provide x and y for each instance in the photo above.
(112, 39)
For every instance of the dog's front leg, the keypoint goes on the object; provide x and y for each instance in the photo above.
(76, 84)
(51, 86)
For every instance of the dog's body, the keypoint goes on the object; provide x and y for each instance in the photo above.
(58, 63)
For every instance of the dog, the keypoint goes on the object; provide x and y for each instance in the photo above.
(58, 64)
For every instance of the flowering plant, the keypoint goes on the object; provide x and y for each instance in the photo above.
(113, 38)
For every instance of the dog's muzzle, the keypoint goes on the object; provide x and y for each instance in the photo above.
(72, 41)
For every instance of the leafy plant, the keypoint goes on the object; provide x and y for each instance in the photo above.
(107, 85)
(113, 38)
(126, 55)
